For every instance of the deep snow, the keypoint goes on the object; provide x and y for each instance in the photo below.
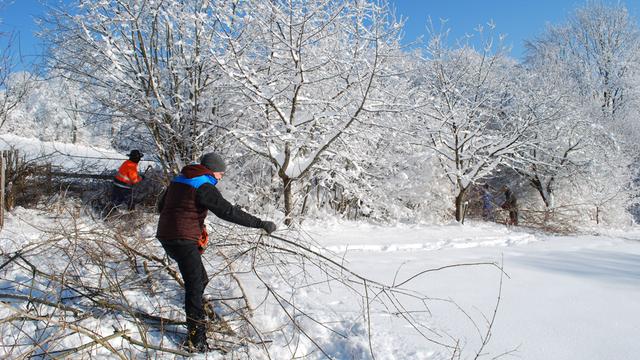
(565, 297)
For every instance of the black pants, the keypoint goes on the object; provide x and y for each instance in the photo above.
(186, 254)
(121, 195)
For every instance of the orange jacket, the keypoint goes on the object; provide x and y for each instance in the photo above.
(128, 173)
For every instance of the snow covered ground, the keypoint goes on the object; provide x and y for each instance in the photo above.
(563, 297)
(66, 156)
(566, 297)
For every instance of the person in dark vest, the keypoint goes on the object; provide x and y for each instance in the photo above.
(125, 179)
(510, 204)
(181, 230)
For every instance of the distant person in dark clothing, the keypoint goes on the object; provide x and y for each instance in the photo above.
(181, 230)
(510, 204)
(487, 204)
(124, 181)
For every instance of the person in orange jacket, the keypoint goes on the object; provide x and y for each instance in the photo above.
(126, 177)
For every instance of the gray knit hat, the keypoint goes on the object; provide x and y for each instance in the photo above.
(213, 162)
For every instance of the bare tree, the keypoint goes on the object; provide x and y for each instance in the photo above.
(583, 74)
(562, 136)
(599, 43)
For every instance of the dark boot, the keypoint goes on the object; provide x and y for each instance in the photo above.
(196, 339)
(216, 323)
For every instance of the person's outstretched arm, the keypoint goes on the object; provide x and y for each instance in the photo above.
(210, 197)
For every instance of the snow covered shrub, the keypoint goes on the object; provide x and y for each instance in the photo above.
(55, 109)
(410, 188)
(393, 182)
(600, 198)
(595, 197)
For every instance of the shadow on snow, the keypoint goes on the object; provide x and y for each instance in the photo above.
(609, 266)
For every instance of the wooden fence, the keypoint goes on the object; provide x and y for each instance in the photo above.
(3, 167)
(13, 168)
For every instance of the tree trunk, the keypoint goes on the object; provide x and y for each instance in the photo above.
(307, 193)
(545, 195)
(460, 205)
(287, 182)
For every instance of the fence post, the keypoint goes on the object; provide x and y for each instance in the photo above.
(2, 182)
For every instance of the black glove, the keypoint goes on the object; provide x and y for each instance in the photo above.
(269, 226)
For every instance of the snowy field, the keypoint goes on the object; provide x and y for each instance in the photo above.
(566, 297)
(563, 297)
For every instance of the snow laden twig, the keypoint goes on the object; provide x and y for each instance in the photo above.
(73, 279)
(78, 329)
(490, 322)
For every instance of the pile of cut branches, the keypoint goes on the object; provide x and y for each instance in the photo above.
(93, 288)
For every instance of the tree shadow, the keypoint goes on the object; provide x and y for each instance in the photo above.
(609, 266)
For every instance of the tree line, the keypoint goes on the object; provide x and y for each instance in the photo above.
(321, 106)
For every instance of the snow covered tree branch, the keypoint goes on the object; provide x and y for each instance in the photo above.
(466, 117)
(304, 73)
(147, 62)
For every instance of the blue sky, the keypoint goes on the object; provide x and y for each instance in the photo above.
(518, 19)
(18, 17)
